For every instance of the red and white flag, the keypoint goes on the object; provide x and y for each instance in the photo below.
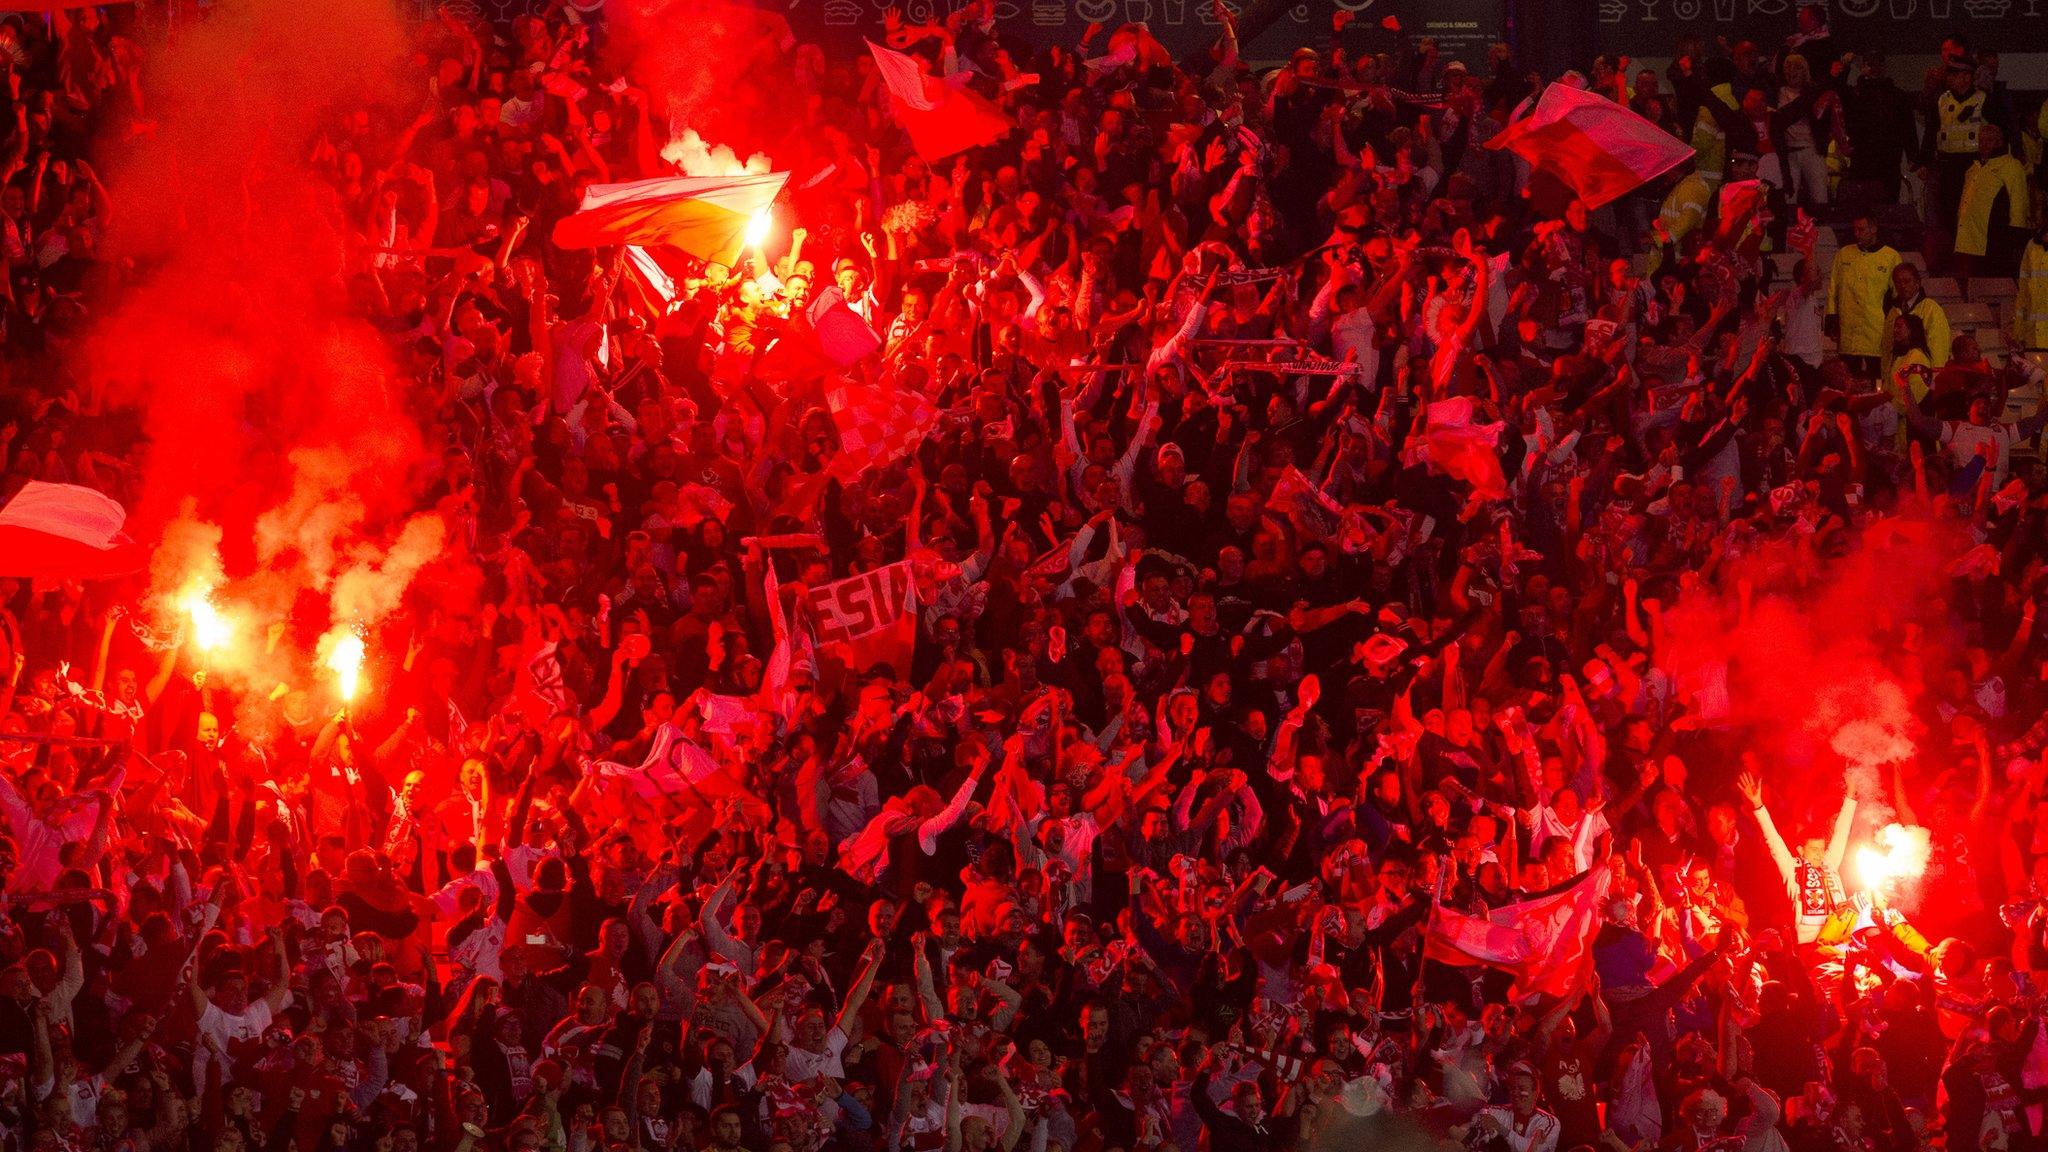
(544, 694)
(706, 216)
(1456, 444)
(876, 425)
(1600, 149)
(1307, 507)
(1543, 942)
(65, 532)
(673, 766)
(874, 613)
(942, 117)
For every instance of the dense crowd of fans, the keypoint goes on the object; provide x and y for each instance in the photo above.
(1327, 521)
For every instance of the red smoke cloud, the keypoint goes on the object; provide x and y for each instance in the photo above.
(279, 452)
(1824, 670)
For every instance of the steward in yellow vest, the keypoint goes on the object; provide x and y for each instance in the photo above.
(1991, 223)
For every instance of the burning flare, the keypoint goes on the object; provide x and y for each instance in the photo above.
(757, 229)
(210, 630)
(1900, 854)
(345, 660)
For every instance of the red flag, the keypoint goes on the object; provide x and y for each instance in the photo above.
(876, 425)
(826, 336)
(704, 216)
(874, 613)
(64, 531)
(1453, 444)
(941, 117)
(1543, 942)
(1600, 149)
(842, 335)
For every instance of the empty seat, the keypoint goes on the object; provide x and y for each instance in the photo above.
(1943, 288)
(1991, 288)
(1969, 314)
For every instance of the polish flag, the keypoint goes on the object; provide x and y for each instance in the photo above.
(1600, 149)
(942, 117)
(1542, 942)
(65, 532)
(706, 216)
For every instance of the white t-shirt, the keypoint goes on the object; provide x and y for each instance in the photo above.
(1805, 313)
(801, 1064)
(248, 1024)
(1539, 1135)
(225, 1028)
(85, 1100)
(1962, 439)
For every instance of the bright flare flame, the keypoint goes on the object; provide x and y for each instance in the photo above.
(210, 630)
(1899, 854)
(345, 659)
(757, 229)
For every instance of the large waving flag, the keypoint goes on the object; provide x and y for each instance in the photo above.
(705, 216)
(941, 117)
(1542, 942)
(876, 425)
(65, 532)
(1600, 149)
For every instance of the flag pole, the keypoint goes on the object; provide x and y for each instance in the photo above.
(1436, 899)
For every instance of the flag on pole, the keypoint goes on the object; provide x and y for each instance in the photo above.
(1600, 149)
(656, 277)
(876, 425)
(1542, 942)
(673, 766)
(941, 116)
(705, 216)
(65, 532)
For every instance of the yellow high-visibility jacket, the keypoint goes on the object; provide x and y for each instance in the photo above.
(1981, 186)
(1686, 206)
(2030, 307)
(1958, 121)
(1934, 320)
(1856, 287)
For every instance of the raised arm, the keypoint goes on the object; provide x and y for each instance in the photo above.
(1753, 791)
(857, 996)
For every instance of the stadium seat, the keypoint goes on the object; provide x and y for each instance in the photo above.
(1993, 288)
